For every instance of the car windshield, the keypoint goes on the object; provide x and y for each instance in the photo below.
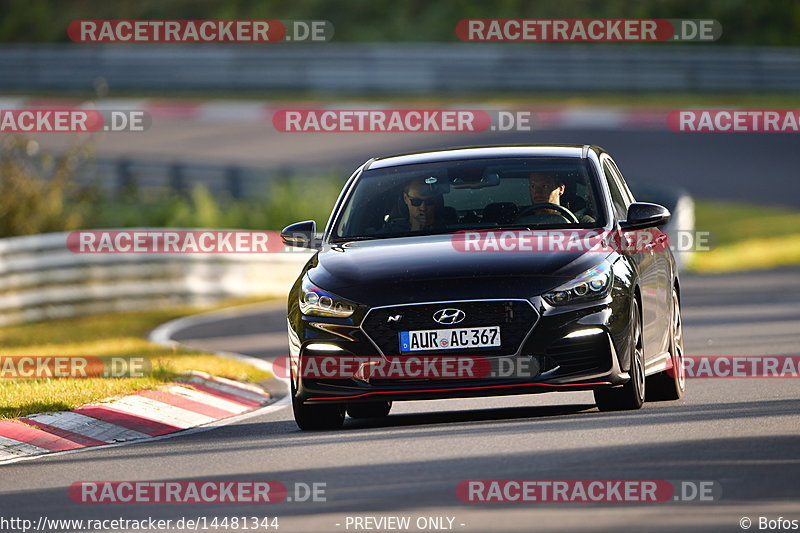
(450, 196)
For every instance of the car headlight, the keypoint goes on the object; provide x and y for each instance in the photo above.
(317, 302)
(591, 285)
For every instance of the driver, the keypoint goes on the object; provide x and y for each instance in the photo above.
(423, 203)
(546, 188)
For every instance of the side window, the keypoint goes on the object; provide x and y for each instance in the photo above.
(617, 199)
(624, 186)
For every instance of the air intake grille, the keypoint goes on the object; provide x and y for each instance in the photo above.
(515, 318)
(581, 354)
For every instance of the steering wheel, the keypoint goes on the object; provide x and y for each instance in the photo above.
(562, 211)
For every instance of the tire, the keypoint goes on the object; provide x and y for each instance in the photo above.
(369, 410)
(310, 417)
(631, 395)
(671, 384)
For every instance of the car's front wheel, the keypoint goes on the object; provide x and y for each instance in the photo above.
(630, 395)
(322, 416)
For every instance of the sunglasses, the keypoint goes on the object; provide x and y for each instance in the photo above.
(416, 202)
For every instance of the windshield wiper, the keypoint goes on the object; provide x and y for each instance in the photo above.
(510, 226)
(383, 236)
(356, 238)
(541, 227)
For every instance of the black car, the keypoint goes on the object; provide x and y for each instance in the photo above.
(422, 260)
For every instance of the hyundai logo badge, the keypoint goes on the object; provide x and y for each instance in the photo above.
(449, 316)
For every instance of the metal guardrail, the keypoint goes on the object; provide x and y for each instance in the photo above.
(41, 279)
(123, 176)
(401, 67)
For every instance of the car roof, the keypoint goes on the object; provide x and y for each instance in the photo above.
(484, 152)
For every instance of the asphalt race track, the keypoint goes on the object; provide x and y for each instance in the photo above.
(743, 434)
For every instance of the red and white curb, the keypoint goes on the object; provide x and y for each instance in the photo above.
(253, 111)
(196, 400)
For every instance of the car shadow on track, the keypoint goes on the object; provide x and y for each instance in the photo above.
(473, 415)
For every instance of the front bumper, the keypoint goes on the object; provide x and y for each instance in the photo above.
(571, 349)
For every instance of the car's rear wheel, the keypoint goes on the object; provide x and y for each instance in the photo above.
(630, 395)
(670, 384)
(322, 416)
(369, 410)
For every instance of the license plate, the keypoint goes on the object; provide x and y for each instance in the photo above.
(449, 339)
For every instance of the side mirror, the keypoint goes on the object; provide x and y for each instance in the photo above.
(643, 215)
(301, 235)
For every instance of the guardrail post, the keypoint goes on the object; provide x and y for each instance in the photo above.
(126, 182)
(176, 180)
(234, 181)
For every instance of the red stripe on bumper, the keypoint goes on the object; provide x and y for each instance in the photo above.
(552, 385)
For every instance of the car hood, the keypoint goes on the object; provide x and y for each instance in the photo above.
(433, 264)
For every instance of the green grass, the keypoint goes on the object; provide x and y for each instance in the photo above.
(104, 336)
(746, 236)
(735, 222)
